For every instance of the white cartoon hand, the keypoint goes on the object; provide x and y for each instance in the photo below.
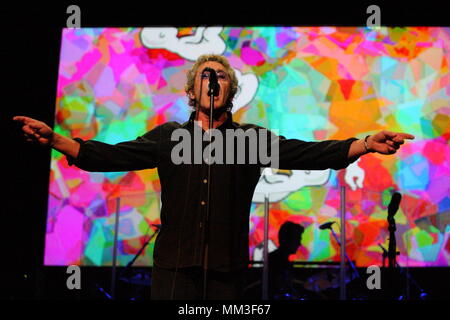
(354, 176)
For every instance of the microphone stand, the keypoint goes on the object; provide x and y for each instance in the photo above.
(352, 265)
(126, 272)
(392, 248)
(392, 254)
(128, 266)
(211, 90)
(385, 254)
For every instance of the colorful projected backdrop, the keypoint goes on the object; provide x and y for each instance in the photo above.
(309, 83)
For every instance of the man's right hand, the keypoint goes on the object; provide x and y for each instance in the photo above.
(36, 131)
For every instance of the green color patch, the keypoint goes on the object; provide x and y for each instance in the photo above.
(94, 248)
(424, 239)
(300, 200)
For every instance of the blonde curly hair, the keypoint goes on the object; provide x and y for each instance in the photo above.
(189, 87)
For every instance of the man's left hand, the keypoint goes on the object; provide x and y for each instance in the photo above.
(387, 142)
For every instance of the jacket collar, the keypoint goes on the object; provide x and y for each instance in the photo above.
(227, 124)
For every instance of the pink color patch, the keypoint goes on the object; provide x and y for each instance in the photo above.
(63, 245)
(120, 62)
(252, 57)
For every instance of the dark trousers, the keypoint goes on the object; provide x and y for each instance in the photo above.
(187, 284)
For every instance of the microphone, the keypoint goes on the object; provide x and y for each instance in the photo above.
(394, 204)
(214, 86)
(326, 225)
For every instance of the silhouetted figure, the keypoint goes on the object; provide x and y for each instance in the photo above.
(280, 268)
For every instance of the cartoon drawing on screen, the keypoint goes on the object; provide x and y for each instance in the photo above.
(278, 184)
(205, 40)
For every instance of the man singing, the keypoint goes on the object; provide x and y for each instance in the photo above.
(191, 241)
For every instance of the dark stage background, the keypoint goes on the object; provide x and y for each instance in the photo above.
(32, 36)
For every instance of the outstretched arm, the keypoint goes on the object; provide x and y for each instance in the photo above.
(384, 142)
(91, 155)
(39, 132)
(334, 154)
